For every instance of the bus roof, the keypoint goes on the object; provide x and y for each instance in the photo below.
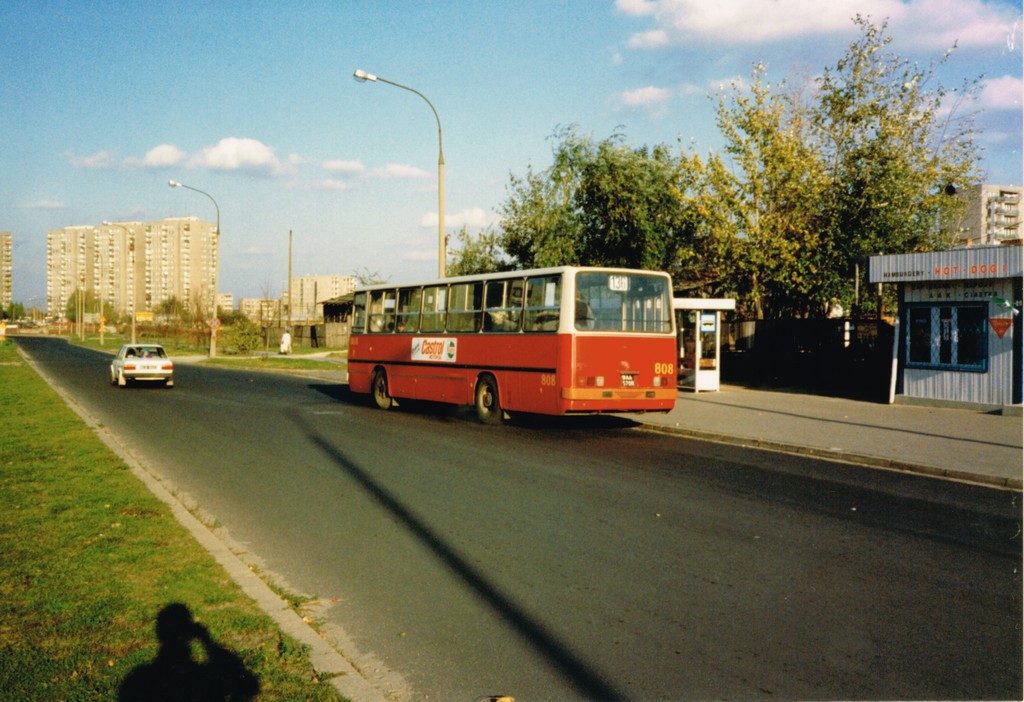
(509, 274)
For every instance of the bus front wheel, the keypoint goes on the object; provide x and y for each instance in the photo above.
(488, 408)
(379, 386)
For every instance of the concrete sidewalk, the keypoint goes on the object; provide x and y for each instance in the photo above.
(959, 444)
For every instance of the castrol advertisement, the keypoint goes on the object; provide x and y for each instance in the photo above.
(425, 348)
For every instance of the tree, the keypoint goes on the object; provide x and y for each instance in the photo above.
(364, 276)
(600, 203)
(815, 176)
(894, 142)
(772, 198)
(480, 254)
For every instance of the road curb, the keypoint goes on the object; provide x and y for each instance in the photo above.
(843, 456)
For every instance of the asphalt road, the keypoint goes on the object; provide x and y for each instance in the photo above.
(582, 559)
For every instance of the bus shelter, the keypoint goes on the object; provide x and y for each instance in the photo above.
(699, 329)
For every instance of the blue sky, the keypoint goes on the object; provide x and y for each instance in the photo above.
(101, 103)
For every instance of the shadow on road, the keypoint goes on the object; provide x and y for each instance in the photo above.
(573, 669)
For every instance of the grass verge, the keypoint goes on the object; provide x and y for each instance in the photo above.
(89, 559)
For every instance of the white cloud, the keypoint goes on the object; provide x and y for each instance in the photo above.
(233, 153)
(400, 171)
(41, 205)
(928, 22)
(330, 184)
(637, 8)
(163, 156)
(1002, 93)
(471, 218)
(652, 39)
(100, 159)
(650, 99)
(344, 166)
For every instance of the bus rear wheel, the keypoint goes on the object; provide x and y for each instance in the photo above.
(488, 407)
(379, 387)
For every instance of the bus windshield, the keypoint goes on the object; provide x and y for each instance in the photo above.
(615, 301)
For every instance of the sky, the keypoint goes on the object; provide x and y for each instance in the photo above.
(254, 103)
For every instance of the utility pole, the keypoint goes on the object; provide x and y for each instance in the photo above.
(289, 279)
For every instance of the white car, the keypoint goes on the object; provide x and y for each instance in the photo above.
(142, 362)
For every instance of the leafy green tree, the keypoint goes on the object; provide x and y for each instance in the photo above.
(242, 334)
(15, 310)
(601, 203)
(814, 177)
(772, 198)
(895, 142)
(479, 254)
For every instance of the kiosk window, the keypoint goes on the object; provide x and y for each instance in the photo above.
(953, 337)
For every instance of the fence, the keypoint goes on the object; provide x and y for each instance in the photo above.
(840, 357)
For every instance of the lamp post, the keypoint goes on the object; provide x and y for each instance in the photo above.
(131, 249)
(214, 320)
(442, 245)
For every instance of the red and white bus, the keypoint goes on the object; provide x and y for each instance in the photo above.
(547, 341)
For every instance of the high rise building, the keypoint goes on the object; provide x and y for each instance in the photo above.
(992, 215)
(133, 266)
(5, 270)
(310, 291)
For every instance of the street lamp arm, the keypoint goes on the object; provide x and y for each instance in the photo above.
(442, 254)
(440, 148)
(215, 323)
(176, 184)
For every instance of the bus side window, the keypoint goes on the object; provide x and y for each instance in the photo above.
(409, 309)
(382, 311)
(464, 301)
(434, 305)
(358, 313)
(543, 302)
(504, 305)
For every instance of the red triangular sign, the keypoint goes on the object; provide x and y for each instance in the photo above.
(1000, 324)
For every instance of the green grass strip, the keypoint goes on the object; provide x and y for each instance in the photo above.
(88, 560)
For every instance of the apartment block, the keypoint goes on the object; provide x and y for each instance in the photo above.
(5, 271)
(261, 309)
(993, 215)
(133, 266)
(310, 291)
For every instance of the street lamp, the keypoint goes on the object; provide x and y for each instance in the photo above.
(131, 248)
(214, 320)
(442, 246)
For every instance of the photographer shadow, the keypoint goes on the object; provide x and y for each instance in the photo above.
(175, 674)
